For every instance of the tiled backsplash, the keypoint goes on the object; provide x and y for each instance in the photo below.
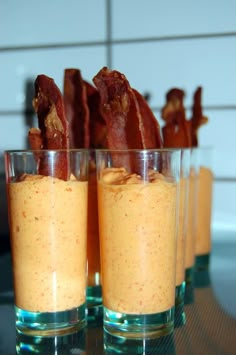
(157, 45)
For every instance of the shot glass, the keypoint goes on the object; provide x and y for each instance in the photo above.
(204, 208)
(94, 292)
(191, 228)
(180, 317)
(47, 206)
(137, 205)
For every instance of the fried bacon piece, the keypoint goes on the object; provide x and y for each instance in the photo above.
(130, 122)
(76, 108)
(197, 119)
(176, 130)
(35, 139)
(97, 125)
(151, 131)
(119, 110)
(53, 128)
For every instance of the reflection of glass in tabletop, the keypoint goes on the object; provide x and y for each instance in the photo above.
(67, 344)
(161, 345)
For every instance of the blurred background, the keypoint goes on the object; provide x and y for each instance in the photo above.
(158, 45)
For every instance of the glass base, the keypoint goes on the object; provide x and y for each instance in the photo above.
(201, 271)
(137, 326)
(202, 279)
(50, 323)
(63, 344)
(94, 295)
(117, 345)
(202, 262)
(180, 317)
(189, 286)
(94, 304)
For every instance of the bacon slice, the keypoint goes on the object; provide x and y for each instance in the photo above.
(129, 121)
(53, 128)
(76, 108)
(119, 109)
(97, 125)
(197, 119)
(35, 138)
(176, 131)
(151, 132)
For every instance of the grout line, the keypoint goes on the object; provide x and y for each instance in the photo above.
(109, 33)
(225, 179)
(52, 46)
(207, 108)
(176, 37)
(110, 41)
(155, 109)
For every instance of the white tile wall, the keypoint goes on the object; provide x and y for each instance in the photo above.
(219, 133)
(18, 67)
(31, 22)
(224, 197)
(158, 66)
(150, 18)
(151, 66)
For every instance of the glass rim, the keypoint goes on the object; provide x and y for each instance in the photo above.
(133, 150)
(139, 150)
(64, 150)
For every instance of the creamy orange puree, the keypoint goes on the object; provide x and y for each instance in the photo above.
(48, 223)
(93, 253)
(204, 209)
(191, 221)
(180, 258)
(138, 245)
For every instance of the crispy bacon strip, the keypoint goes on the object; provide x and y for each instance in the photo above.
(176, 130)
(97, 125)
(35, 139)
(151, 132)
(129, 121)
(197, 119)
(76, 108)
(119, 109)
(53, 128)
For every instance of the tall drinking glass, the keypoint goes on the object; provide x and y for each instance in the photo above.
(94, 292)
(137, 204)
(181, 237)
(47, 205)
(191, 228)
(204, 208)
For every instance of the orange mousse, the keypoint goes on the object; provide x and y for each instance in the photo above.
(137, 222)
(180, 257)
(191, 221)
(48, 224)
(204, 209)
